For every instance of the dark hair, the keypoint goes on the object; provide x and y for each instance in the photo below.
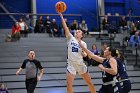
(30, 51)
(19, 19)
(0, 85)
(15, 24)
(120, 56)
(113, 52)
(94, 45)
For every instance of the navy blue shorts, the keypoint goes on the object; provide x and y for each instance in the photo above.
(111, 89)
(126, 86)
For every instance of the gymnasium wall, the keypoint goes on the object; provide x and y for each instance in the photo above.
(13, 6)
(122, 7)
(135, 5)
(87, 8)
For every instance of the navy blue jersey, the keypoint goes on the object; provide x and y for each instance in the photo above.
(106, 76)
(121, 69)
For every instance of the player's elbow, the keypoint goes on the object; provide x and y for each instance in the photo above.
(114, 72)
(90, 55)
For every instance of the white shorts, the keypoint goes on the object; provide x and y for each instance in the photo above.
(77, 68)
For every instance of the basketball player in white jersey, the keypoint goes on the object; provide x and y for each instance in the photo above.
(75, 63)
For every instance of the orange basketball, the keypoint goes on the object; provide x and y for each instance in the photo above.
(60, 7)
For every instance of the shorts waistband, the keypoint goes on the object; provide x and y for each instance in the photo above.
(123, 80)
(110, 82)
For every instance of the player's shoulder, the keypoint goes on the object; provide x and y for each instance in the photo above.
(37, 61)
(70, 37)
(83, 42)
(26, 60)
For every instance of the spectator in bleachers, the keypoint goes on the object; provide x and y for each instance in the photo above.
(39, 26)
(135, 40)
(15, 32)
(105, 23)
(61, 28)
(74, 26)
(95, 51)
(103, 47)
(122, 24)
(83, 26)
(133, 28)
(3, 89)
(54, 28)
(28, 22)
(31, 65)
(47, 24)
(23, 28)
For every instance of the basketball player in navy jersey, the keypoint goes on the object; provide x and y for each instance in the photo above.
(75, 63)
(109, 70)
(122, 74)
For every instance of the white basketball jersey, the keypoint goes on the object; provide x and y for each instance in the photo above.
(22, 25)
(74, 50)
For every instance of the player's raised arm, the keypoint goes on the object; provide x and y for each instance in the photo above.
(66, 29)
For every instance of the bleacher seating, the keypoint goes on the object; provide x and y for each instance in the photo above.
(52, 53)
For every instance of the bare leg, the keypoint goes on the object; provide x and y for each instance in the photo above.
(70, 77)
(87, 79)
